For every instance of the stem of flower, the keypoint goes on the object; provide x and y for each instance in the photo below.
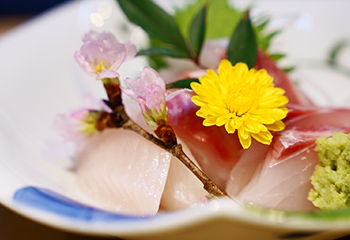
(165, 133)
(177, 151)
(209, 185)
(166, 136)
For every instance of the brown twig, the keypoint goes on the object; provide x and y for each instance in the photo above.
(166, 136)
(177, 151)
(209, 185)
(165, 133)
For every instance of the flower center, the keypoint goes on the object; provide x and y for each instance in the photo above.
(241, 99)
(89, 123)
(99, 67)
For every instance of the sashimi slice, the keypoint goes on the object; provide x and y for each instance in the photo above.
(282, 183)
(182, 189)
(123, 172)
(215, 150)
(281, 80)
(244, 170)
(318, 117)
(282, 179)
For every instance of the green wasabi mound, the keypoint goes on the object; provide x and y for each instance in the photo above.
(331, 178)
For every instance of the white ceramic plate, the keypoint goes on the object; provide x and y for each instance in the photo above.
(40, 79)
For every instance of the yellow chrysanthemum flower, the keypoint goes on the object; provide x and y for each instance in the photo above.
(241, 99)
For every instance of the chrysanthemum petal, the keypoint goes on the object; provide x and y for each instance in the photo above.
(200, 89)
(273, 100)
(254, 126)
(268, 116)
(218, 110)
(224, 66)
(229, 128)
(236, 122)
(221, 120)
(263, 137)
(243, 133)
(211, 76)
(241, 99)
(245, 142)
(241, 69)
(198, 101)
(264, 78)
(209, 121)
(201, 113)
(276, 126)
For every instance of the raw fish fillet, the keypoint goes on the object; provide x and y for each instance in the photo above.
(123, 172)
(281, 80)
(214, 51)
(182, 189)
(215, 150)
(281, 178)
(242, 173)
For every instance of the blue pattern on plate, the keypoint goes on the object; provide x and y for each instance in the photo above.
(56, 203)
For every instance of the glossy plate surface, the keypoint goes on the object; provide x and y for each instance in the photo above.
(40, 79)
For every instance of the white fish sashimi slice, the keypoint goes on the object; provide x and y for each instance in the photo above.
(283, 180)
(284, 185)
(183, 189)
(249, 163)
(123, 172)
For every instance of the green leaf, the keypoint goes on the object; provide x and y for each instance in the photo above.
(243, 45)
(222, 18)
(197, 30)
(335, 50)
(289, 69)
(277, 56)
(265, 40)
(261, 23)
(154, 20)
(163, 51)
(157, 62)
(186, 83)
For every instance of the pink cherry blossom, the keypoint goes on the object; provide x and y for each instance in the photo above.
(149, 92)
(72, 126)
(102, 55)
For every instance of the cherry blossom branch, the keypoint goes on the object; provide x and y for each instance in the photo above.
(166, 138)
(100, 57)
(113, 120)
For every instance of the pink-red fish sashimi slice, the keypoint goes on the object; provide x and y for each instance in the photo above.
(216, 151)
(281, 178)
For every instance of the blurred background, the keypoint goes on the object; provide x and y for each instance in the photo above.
(26, 7)
(13, 226)
(13, 12)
